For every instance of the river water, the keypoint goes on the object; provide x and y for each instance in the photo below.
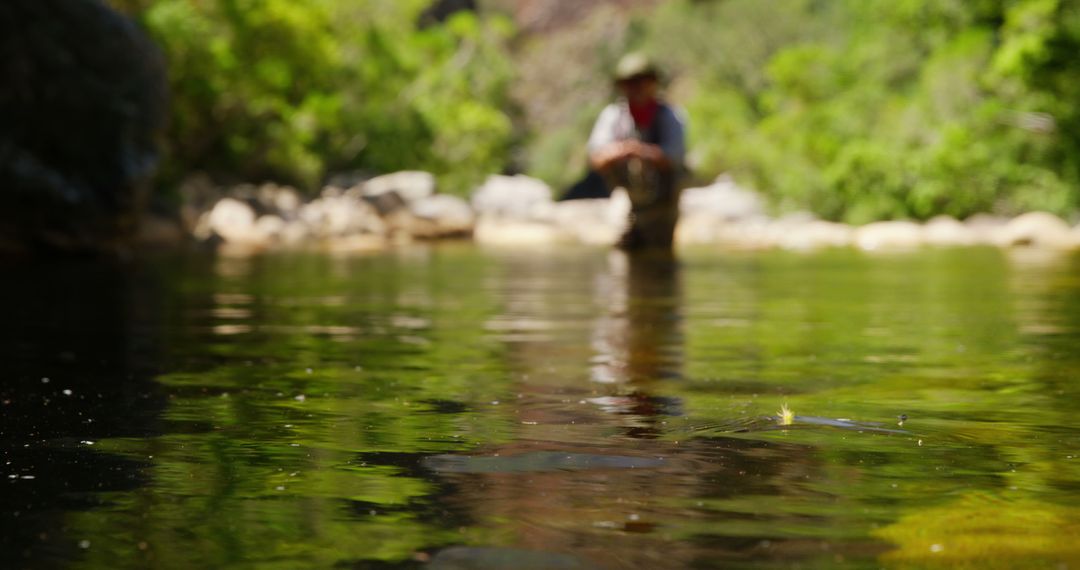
(456, 407)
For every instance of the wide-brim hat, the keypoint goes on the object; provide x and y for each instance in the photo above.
(634, 65)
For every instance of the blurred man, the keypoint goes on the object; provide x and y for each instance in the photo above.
(638, 144)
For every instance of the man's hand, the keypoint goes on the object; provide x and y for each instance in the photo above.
(621, 151)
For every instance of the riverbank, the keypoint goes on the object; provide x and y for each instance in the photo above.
(397, 208)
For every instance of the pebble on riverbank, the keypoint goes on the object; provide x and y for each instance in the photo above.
(517, 210)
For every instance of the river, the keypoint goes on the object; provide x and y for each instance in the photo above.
(457, 407)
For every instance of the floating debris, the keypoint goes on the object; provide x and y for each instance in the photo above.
(785, 416)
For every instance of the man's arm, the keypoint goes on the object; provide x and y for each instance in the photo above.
(619, 151)
(605, 151)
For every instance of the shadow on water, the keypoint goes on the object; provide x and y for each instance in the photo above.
(79, 349)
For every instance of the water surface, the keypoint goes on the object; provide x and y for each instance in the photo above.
(454, 407)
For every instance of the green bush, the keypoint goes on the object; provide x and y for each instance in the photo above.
(875, 109)
(293, 90)
(854, 109)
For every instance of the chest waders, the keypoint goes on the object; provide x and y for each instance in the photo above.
(654, 198)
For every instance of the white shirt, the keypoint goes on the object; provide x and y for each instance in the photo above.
(616, 124)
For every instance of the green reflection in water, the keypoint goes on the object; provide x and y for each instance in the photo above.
(311, 400)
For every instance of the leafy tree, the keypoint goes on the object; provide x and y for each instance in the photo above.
(869, 110)
(292, 91)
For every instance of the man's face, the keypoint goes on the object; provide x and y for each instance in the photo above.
(639, 89)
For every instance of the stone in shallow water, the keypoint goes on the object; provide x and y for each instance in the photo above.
(518, 197)
(723, 200)
(445, 215)
(503, 232)
(948, 231)
(1039, 229)
(233, 220)
(535, 461)
(888, 235)
(814, 234)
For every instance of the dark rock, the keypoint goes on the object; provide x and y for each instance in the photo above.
(82, 96)
(387, 203)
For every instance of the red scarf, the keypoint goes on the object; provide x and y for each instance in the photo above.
(644, 113)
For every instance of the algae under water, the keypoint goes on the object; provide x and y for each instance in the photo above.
(456, 407)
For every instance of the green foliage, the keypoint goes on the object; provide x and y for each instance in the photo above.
(293, 90)
(854, 109)
(872, 110)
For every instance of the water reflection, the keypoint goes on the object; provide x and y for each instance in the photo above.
(638, 341)
(78, 353)
(582, 409)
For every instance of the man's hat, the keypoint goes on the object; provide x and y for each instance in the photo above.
(635, 64)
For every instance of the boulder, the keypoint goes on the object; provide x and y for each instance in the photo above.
(294, 234)
(270, 227)
(497, 231)
(888, 235)
(410, 185)
(385, 204)
(339, 216)
(754, 233)
(814, 234)
(233, 221)
(445, 215)
(198, 194)
(515, 197)
(281, 201)
(1039, 229)
(987, 228)
(694, 229)
(948, 231)
(349, 179)
(722, 200)
(82, 101)
(357, 243)
(159, 232)
(595, 221)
